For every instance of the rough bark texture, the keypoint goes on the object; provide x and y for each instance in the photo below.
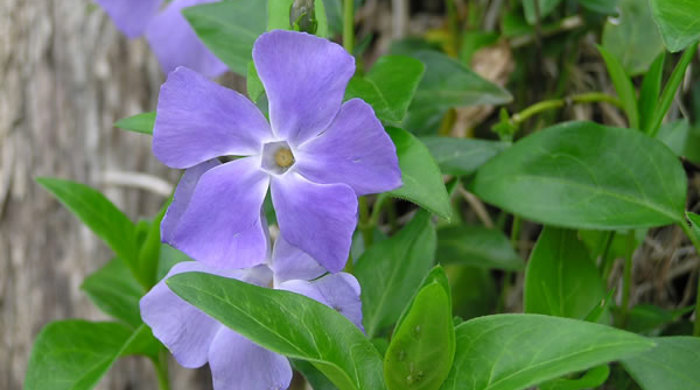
(66, 75)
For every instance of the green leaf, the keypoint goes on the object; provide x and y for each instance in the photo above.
(678, 21)
(477, 246)
(584, 175)
(561, 279)
(600, 6)
(75, 354)
(516, 351)
(545, 8)
(422, 180)
(695, 221)
(649, 92)
(474, 291)
(631, 38)
(675, 135)
(289, 324)
(670, 89)
(462, 156)
(447, 84)
(623, 86)
(140, 123)
(647, 318)
(253, 83)
(423, 344)
(278, 14)
(149, 253)
(229, 29)
(115, 291)
(313, 375)
(671, 365)
(590, 380)
(391, 270)
(389, 86)
(99, 214)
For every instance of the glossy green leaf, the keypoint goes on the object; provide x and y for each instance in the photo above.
(672, 365)
(631, 38)
(99, 214)
(516, 351)
(229, 29)
(590, 380)
(389, 86)
(75, 354)
(390, 271)
(545, 8)
(115, 291)
(462, 156)
(422, 180)
(474, 291)
(447, 84)
(675, 135)
(423, 344)
(678, 21)
(140, 123)
(254, 85)
(623, 86)
(289, 324)
(561, 279)
(477, 246)
(584, 175)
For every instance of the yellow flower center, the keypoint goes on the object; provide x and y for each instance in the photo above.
(284, 157)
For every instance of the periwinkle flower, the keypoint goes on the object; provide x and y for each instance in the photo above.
(195, 339)
(170, 36)
(316, 155)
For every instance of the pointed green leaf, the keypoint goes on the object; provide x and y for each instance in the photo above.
(422, 180)
(140, 123)
(114, 290)
(391, 271)
(584, 175)
(674, 364)
(561, 279)
(229, 29)
(478, 247)
(389, 86)
(75, 354)
(289, 324)
(623, 86)
(517, 351)
(423, 344)
(99, 214)
(678, 21)
(590, 380)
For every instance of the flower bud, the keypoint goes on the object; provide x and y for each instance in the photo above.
(302, 16)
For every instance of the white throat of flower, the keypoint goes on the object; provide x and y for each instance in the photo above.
(277, 157)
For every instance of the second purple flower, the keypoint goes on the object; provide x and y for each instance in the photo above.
(316, 154)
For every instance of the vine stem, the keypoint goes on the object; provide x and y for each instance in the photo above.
(696, 243)
(161, 365)
(349, 25)
(537, 108)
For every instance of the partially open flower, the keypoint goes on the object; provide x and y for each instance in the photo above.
(316, 155)
(195, 339)
(170, 36)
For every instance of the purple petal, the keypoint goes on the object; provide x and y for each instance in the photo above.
(340, 292)
(317, 218)
(198, 120)
(238, 363)
(290, 262)
(184, 329)
(222, 225)
(181, 198)
(305, 79)
(175, 43)
(355, 150)
(131, 16)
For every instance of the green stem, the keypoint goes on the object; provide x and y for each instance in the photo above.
(515, 232)
(537, 108)
(453, 23)
(161, 365)
(349, 25)
(696, 243)
(669, 91)
(607, 261)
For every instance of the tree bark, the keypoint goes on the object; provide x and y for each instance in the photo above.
(66, 75)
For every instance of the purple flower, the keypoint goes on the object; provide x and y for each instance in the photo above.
(194, 338)
(316, 155)
(169, 34)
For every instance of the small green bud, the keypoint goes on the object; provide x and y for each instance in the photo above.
(302, 16)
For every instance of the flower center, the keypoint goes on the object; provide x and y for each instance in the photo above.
(284, 158)
(277, 157)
